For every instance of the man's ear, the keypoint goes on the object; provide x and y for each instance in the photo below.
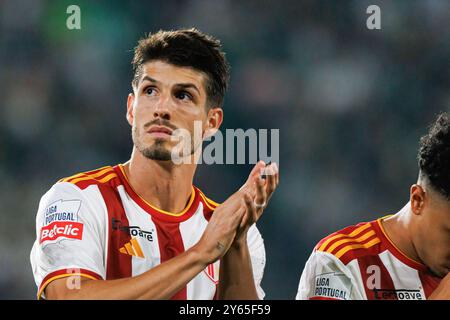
(213, 121)
(130, 108)
(417, 199)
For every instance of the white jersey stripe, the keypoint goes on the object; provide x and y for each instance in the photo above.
(201, 287)
(403, 276)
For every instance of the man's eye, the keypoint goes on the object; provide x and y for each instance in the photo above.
(149, 91)
(183, 95)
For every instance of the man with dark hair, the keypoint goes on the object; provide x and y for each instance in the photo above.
(402, 256)
(142, 228)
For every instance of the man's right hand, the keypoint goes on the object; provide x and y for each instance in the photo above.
(222, 227)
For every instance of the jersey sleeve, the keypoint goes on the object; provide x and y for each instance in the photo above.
(257, 251)
(325, 277)
(70, 234)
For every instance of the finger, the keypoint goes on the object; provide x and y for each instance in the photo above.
(265, 171)
(260, 198)
(254, 174)
(277, 174)
(251, 209)
(271, 180)
(238, 218)
(245, 216)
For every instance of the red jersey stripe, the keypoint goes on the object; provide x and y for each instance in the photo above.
(170, 245)
(429, 282)
(118, 265)
(374, 273)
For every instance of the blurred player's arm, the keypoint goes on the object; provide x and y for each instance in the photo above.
(166, 279)
(237, 279)
(442, 292)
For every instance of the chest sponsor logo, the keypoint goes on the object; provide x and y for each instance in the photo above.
(134, 231)
(398, 294)
(57, 230)
(332, 285)
(62, 210)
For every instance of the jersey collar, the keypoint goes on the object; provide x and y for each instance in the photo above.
(160, 214)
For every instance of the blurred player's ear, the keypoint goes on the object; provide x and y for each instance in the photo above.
(130, 109)
(213, 121)
(417, 199)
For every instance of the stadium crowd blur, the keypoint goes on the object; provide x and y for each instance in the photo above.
(350, 103)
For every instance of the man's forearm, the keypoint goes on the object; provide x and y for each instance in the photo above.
(161, 282)
(236, 275)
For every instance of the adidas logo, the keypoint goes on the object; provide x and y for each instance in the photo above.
(132, 248)
(212, 271)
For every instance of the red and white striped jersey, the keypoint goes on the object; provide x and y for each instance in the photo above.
(95, 225)
(360, 262)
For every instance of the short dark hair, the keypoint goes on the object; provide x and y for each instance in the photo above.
(434, 155)
(186, 48)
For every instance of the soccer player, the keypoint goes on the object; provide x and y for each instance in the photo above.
(141, 230)
(401, 256)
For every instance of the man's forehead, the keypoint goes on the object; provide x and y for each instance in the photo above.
(170, 74)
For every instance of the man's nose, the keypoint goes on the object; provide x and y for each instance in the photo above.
(163, 108)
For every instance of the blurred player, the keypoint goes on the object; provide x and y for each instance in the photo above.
(402, 256)
(142, 228)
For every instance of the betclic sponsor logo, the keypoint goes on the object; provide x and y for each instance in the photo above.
(59, 229)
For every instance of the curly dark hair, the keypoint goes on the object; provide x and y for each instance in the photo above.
(186, 48)
(434, 155)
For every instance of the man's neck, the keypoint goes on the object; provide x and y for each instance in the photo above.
(398, 231)
(161, 183)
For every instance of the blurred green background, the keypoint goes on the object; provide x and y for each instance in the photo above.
(350, 103)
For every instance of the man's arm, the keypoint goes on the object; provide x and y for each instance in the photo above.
(161, 282)
(236, 280)
(166, 279)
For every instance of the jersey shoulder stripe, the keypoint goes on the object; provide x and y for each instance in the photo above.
(351, 242)
(82, 180)
(348, 232)
(212, 205)
(208, 205)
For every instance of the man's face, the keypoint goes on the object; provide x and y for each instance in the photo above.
(167, 98)
(431, 232)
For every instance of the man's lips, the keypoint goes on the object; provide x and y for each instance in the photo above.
(160, 131)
